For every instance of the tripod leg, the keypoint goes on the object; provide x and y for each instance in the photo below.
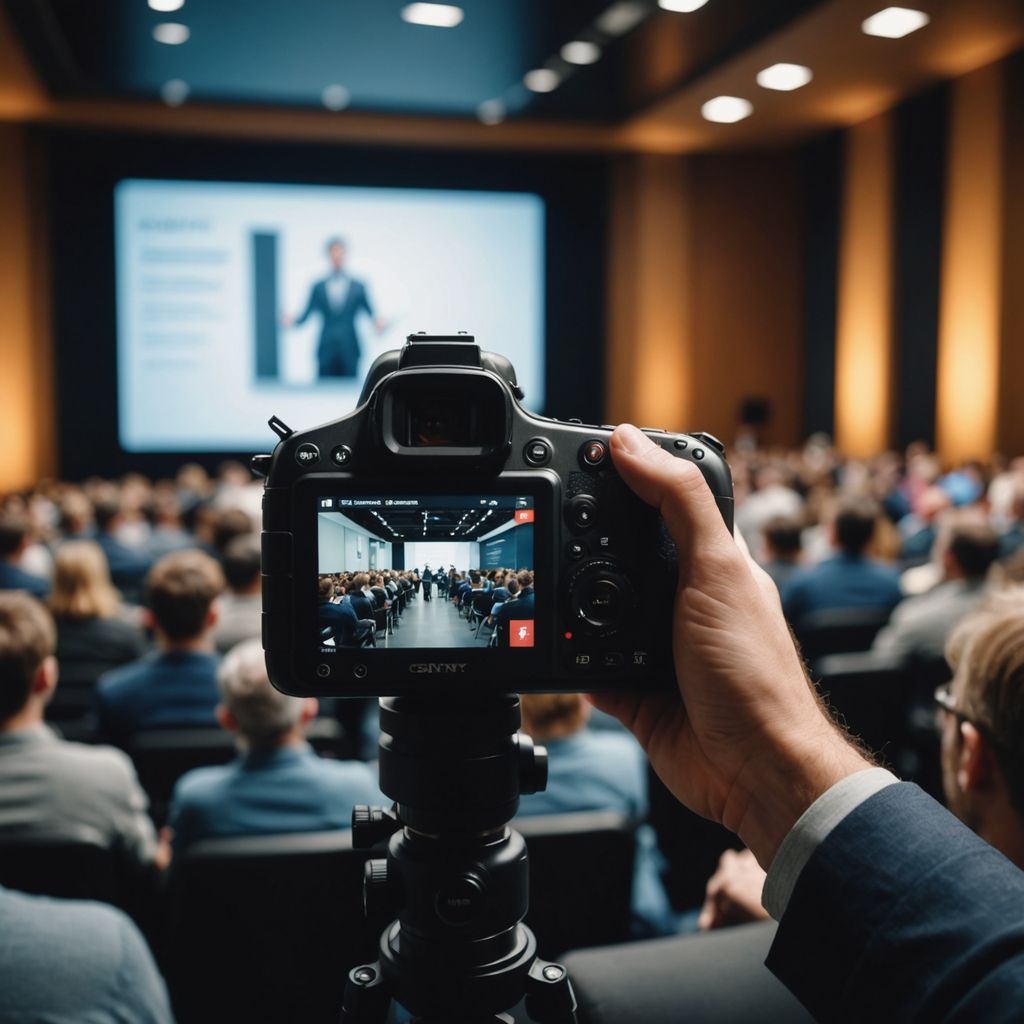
(549, 995)
(367, 999)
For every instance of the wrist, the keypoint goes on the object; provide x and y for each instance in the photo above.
(794, 771)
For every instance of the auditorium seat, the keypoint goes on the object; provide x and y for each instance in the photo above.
(265, 927)
(67, 869)
(871, 694)
(838, 630)
(716, 977)
(581, 878)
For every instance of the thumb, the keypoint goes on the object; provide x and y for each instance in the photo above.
(676, 487)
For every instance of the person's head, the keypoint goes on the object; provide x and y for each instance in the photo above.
(361, 581)
(336, 251)
(28, 669)
(229, 524)
(180, 593)
(474, 578)
(15, 531)
(512, 587)
(108, 514)
(81, 582)
(783, 539)
(854, 523)
(250, 706)
(325, 589)
(242, 564)
(972, 548)
(525, 579)
(983, 721)
(552, 716)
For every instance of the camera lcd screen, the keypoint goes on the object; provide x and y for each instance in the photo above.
(429, 571)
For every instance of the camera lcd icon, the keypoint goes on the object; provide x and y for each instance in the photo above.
(520, 633)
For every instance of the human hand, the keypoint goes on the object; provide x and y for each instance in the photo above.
(164, 853)
(733, 894)
(745, 741)
(287, 320)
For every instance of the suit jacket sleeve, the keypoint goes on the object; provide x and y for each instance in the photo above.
(312, 304)
(904, 914)
(363, 300)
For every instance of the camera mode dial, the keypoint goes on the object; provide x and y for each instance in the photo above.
(601, 596)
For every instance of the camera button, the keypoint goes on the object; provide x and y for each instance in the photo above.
(613, 659)
(680, 444)
(581, 661)
(575, 550)
(593, 453)
(323, 670)
(582, 511)
(698, 453)
(307, 454)
(341, 455)
(359, 671)
(537, 452)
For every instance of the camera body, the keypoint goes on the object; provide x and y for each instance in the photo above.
(440, 457)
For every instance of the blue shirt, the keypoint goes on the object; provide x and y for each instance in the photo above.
(607, 771)
(160, 691)
(289, 789)
(845, 581)
(12, 577)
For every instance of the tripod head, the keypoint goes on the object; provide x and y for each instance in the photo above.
(456, 873)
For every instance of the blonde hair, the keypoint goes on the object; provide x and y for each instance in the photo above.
(81, 583)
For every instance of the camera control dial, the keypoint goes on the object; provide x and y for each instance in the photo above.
(601, 597)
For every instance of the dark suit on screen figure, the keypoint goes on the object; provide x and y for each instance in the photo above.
(338, 300)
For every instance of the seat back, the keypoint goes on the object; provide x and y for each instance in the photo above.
(66, 869)
(838, 630)
(581, 878)
(265, 927)
(871, 694)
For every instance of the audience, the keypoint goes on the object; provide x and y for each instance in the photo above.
(278, 784)
(176, 686)
(240, 609)
(93, 633)
(849, 579)
(15, 534)
(128, 564)
(782, 546)
(51, 789)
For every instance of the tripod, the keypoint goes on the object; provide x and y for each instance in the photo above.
(458, 952)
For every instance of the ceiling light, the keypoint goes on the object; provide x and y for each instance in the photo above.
(166, 6)
(435, 15)
(726, 109)
(784, 77)
(541, 80)
(622, 17)
(172, 33)
(682, 6)
(894, 22)
(335, 97)
(580, 51)
(174, 92)
(491, 112)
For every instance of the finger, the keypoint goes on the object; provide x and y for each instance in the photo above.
(706, 916)
(675, 487)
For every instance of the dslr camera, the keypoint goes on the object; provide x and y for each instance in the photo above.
(441, 471)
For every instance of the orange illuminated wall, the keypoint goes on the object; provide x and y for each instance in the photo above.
(969, 310)
(864, 302)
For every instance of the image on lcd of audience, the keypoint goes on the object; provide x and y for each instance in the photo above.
(469, 581)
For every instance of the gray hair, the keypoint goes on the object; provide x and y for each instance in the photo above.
(262, 713)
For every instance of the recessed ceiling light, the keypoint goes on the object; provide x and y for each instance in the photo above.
(580, 51)
(784, 77)
(682, 6)
(894, 22)
(174, 92)
(335, 97)
(541, 80)
(491, 112)
(166, 6)
(172, 33)
(726, 109)
(435, 15)
(622, 17)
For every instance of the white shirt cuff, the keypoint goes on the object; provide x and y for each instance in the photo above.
(812, 828)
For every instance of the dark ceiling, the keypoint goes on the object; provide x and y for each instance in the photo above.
(285, 52)
(441, 524)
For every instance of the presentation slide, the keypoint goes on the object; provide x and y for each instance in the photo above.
(236, 302)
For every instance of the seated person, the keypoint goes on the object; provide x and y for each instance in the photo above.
(336, 614)
(128, 565)
(521, 608)
(68, 961)
(93, 634)
(981, 715)
(177, 685)
(363, 601)
(783, 545)
(51, 789)
(15, 535)
(597, 771)
(240, 610)
(277, 784)
(850, 579)
(380, 595)
(921, 625)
